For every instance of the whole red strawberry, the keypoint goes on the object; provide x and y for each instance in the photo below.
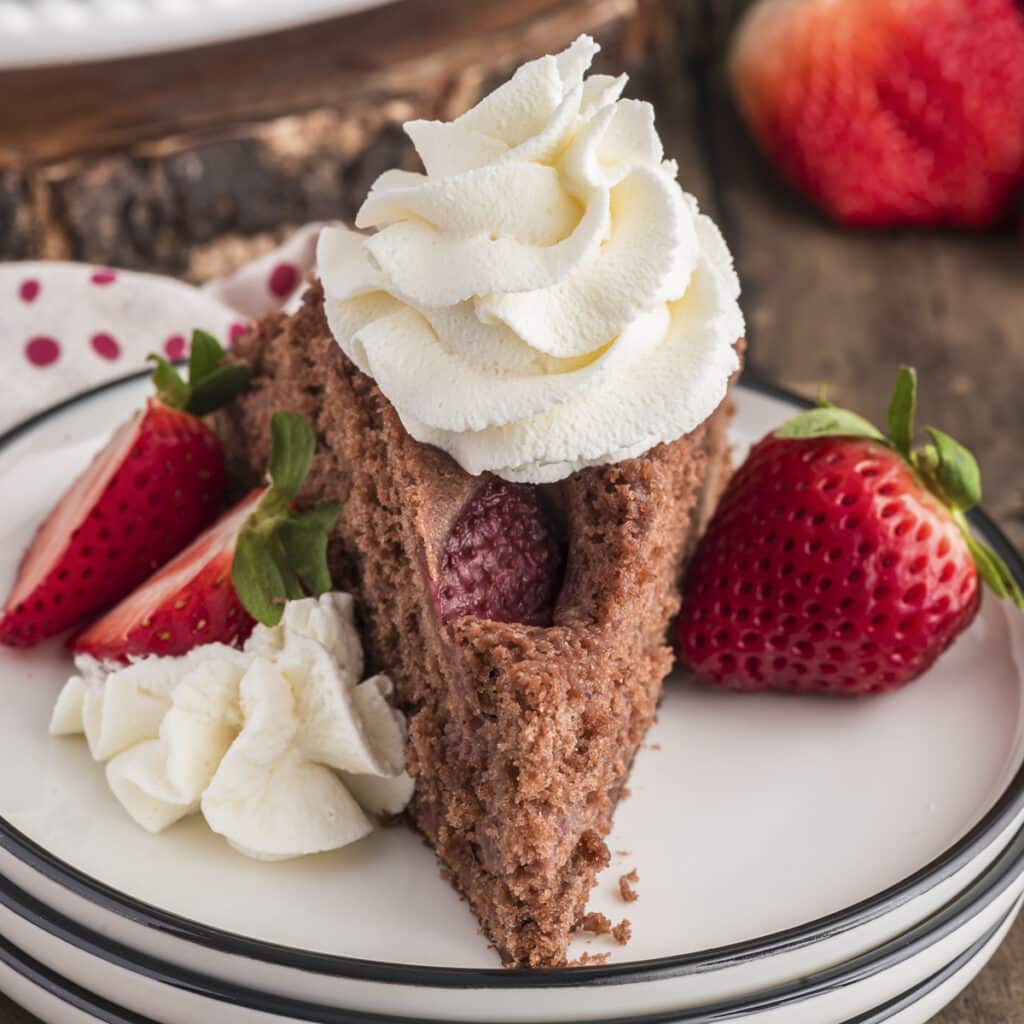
(889, 112)
(502, 559)
(244, 568)
(158, 482)
(838, 560)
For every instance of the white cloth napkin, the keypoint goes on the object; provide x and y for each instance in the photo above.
(70, 326)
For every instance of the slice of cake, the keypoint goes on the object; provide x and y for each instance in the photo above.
(519, 384)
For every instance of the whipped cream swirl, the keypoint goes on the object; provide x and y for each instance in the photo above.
(279, 746)
(545, 297)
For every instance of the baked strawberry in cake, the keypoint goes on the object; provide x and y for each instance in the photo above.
(519, 382)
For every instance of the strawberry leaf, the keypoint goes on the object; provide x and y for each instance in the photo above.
(828, 421)
(305, 541)
(281, 555)
(292, 443)
(204, 357)
(992, 569)
(950, 470)
(901, 410)
(210, 385)
(292, 585)
(216, 389)
(257, 577)
(170, 388)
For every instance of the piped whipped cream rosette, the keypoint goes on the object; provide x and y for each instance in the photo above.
(278, 745)
(545, 296)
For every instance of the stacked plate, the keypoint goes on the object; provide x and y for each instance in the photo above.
(800, 861)
(45, 32)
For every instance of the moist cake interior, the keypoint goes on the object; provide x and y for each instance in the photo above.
(521, 737)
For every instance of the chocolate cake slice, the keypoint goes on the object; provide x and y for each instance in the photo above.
(521, 736)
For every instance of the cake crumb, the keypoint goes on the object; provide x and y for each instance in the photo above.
(596, 924)
(590, 960)
(625, 793)
(655, 746)
(599, 924)
(626, 890)
(623, 853)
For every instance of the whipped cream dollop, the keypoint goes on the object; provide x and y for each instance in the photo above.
(546, 296)
(279, 746)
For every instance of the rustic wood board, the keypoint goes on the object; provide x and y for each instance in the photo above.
(10, 1013)
(191, 163)
(400, 48)
(823, 305)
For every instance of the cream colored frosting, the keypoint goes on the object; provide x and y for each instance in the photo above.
(279, 746)
(545, 296)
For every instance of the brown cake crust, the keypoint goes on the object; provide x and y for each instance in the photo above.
(520, 737)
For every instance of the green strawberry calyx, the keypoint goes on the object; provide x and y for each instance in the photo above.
(210, 384)
(945, 467)
(281, 554)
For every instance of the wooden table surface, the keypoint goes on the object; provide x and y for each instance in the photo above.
(829, 305)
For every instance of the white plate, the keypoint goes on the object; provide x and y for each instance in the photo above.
(43, 32)
(907, 981)
(772, 836)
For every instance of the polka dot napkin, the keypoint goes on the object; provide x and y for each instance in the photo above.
(68, 326)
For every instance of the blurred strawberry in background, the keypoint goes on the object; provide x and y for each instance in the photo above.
(889, 112)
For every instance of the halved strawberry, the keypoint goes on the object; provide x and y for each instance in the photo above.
(188, 602)
(244, 568)
(157, 483)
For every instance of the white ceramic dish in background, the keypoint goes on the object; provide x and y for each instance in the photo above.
(45, 32)
(801, 833)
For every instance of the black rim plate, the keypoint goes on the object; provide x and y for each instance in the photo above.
(993, 824)
(102, 1009)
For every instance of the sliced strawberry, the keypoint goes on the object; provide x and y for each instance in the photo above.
(242, 569)
(188, 602)
(157, 483)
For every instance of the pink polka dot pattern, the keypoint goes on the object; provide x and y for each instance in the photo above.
(42, 351)
(71, 326)
(174, 346)
(283, 279)
(236, 332)
(105, 345)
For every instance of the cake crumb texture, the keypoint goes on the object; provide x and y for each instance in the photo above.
(626, 883)
(595, 924)
(590, 960)
(521, 737)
